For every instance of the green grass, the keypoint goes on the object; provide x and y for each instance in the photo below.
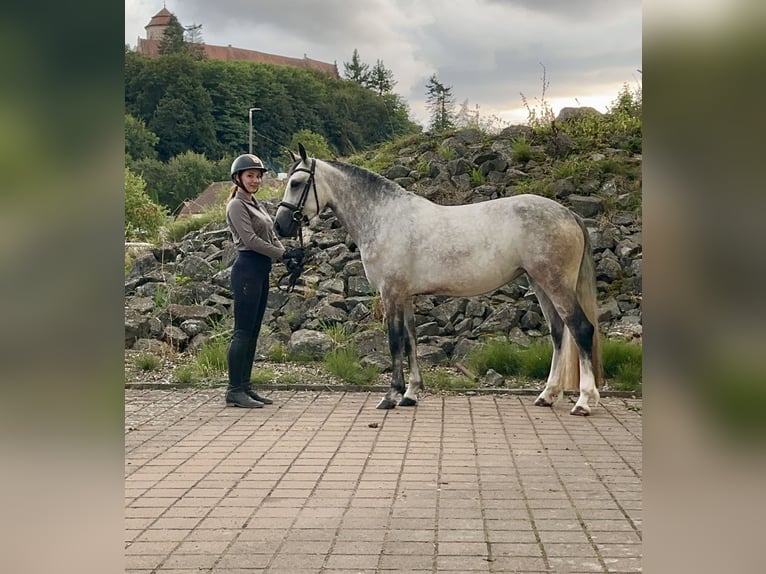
(178, 229)
(477, 177)
(147, 362)
(262, 377)
(211, 360)
(496, 354)
(621, 360)
(186, 374)
(522, 150)
(344, 364)
(535, 361)
(622, 364)
(338, 332)
(277, 353)
(289, 379)
(445, 380)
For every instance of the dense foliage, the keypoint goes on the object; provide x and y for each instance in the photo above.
(201, 106)
(143, 217)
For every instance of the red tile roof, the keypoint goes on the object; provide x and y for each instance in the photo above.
(151, 49)
(161, 18)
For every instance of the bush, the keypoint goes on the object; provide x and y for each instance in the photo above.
(143, 217)
(316, 145)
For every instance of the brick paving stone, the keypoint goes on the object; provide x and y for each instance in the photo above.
(486, 483)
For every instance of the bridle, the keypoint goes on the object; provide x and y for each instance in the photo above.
(297, 210)
(298, 217)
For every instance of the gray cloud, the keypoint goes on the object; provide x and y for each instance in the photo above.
(487, 50)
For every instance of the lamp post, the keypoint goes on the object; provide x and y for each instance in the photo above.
(250, 116)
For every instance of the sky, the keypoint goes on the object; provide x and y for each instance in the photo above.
(489, 52)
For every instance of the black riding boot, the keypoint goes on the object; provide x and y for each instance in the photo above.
(247, 371)
(237, 393)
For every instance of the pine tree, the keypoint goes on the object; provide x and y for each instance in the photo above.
(173, 38)
(357, 71)
(441, 104)
(381, 79)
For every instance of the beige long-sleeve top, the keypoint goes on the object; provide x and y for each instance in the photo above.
(251, 226)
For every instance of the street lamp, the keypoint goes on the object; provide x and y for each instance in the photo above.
(250, 115)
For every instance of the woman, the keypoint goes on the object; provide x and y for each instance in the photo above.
(257, 246)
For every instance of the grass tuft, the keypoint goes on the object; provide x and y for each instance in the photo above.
(344, 364)
(147, 362)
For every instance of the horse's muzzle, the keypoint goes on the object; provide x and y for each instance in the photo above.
(285, 225)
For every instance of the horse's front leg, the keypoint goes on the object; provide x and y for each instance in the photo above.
(396, 343)
(410, 398)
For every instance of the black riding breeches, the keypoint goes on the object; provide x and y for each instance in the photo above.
(250, 285)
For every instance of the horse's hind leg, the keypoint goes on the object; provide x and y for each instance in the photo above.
(583, 330)
(410, 398)
(396, 343)
(554, 386)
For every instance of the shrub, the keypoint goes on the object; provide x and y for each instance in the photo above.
(143, 217)
(316, 145)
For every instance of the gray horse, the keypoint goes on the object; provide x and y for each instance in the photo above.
(411, 246)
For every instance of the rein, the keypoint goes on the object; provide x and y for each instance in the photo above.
(299, 218)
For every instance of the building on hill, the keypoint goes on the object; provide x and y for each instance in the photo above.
(150, 47)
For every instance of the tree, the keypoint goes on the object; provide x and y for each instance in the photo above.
(193, 41)
(172, 38)
(440, 104)
(187, 175)
(356, 71)
(140, 141)
(143, 217)
(315, 144)
(381, 79)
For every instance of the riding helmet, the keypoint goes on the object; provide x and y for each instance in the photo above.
(244, 162)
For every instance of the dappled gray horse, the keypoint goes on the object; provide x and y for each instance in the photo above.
(411, 246)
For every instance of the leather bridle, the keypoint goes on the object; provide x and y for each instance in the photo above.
(297, 210)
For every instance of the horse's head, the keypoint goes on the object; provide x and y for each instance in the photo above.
(300, 202)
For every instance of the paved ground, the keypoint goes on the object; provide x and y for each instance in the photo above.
(322, 482)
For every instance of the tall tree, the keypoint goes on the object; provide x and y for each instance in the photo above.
(193, 41)
(140, 141)
(440, 104)
(381, 79)
(356, 71)
(173, 38)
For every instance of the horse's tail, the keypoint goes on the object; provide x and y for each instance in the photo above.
(587, 297)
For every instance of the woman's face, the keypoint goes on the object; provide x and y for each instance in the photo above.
(251, 179)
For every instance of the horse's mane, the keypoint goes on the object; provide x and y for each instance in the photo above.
(371, 181)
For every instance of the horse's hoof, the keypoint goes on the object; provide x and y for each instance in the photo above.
(408, 402)
(541, 402)
(580, 411)
(386, 403)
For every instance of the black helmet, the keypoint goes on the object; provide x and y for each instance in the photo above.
(243, 162)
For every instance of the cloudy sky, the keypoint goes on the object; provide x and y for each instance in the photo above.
(488, 51)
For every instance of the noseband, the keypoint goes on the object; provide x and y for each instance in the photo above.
(297, 210)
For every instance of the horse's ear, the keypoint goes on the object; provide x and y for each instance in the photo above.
(302, 151)
(292, 155)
